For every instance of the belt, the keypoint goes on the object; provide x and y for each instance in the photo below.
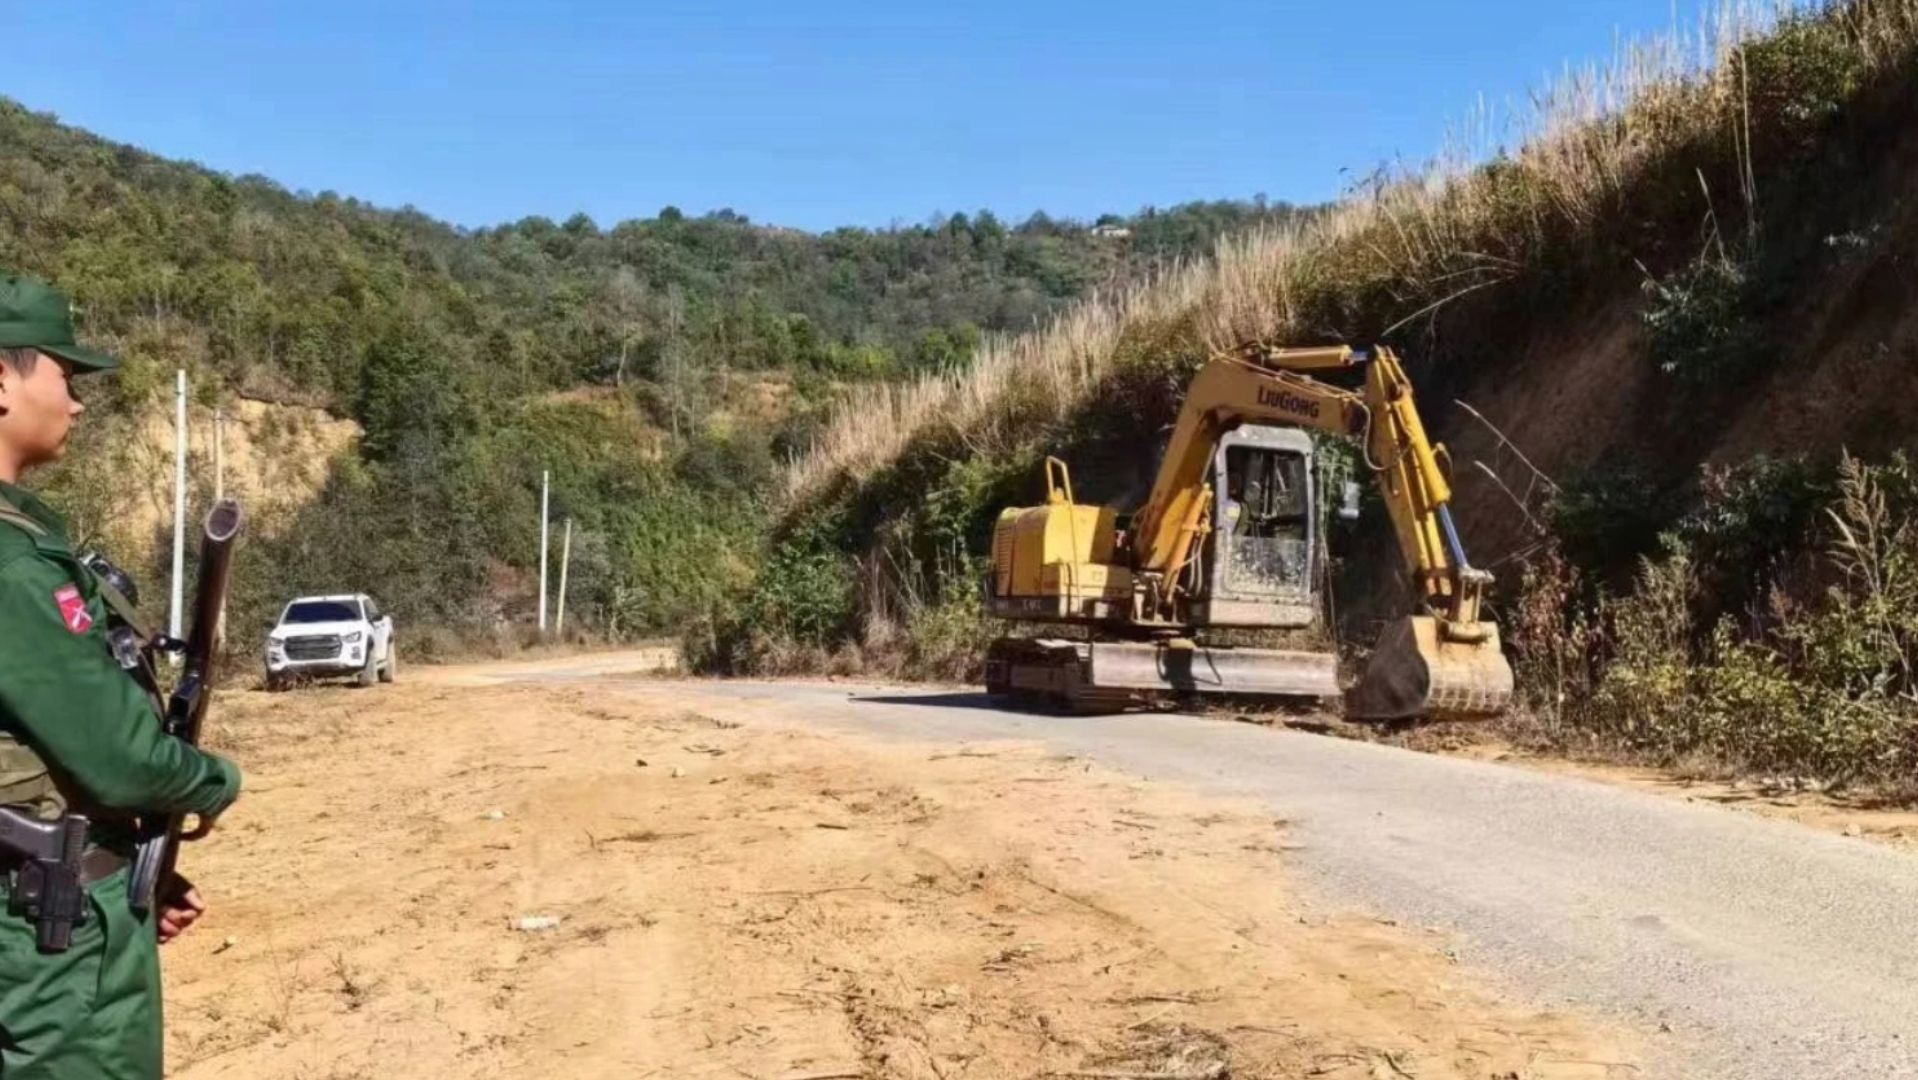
(100, 863)
(96, 864)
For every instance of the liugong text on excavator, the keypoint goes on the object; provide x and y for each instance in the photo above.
(1229, 539)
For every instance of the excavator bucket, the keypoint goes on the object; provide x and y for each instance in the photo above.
(1418, 672)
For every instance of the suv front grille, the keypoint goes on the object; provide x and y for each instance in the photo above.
(313, 647)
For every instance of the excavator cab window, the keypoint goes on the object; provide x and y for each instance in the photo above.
(1267, 490)
(1263, 517)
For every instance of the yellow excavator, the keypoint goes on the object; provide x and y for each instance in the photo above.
(1229, 539)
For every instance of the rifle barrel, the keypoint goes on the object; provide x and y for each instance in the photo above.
(216, 558)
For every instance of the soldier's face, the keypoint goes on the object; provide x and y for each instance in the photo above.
(37, 409)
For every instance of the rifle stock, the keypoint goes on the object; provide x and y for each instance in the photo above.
(157, 849)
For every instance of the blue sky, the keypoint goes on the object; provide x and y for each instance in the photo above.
(807, 115)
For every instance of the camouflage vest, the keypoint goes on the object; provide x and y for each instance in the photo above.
(25, 780)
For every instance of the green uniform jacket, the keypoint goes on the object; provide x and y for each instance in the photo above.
(64, 697)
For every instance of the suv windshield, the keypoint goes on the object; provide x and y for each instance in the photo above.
(312, 611)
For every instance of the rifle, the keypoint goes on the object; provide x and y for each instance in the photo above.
(157, 847)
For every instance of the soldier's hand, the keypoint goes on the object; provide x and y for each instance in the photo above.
(181, 909)
(202, 825)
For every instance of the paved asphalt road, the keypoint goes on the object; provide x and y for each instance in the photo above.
(1770, 950)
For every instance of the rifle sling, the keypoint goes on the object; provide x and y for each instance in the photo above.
(18, 518)
(121, 607)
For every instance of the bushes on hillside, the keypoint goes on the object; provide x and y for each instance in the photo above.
(1703, 322)
(1824, 686)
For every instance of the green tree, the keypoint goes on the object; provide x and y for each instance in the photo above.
(413, 402)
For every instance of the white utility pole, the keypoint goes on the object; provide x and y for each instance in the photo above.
(542, 552)
(179, 505)
(219, 492)
(565, 558)
(219, 454)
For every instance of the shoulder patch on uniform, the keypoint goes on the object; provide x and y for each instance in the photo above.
(73, 608)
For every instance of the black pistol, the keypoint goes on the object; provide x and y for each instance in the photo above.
(46, 888)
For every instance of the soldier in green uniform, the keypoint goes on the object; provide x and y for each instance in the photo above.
(78, 734)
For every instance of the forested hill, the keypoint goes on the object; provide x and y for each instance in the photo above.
(283, 293)
(621, 359)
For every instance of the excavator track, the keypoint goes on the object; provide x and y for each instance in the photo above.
(1091, 677)
(1049, 674)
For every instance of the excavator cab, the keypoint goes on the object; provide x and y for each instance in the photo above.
(1259, 564)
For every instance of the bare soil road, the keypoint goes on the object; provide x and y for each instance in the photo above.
(1741, 946)
(787, 881)
(554, 871)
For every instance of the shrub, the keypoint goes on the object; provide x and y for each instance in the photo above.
(1611, 515)
(1796, 81)
(949, 630)
(1555, 637)
(803, 592)
(1747, 521)
(1648, 677)
(1702, 324)
(1828, 690)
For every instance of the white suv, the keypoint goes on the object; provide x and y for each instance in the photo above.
(331, 635)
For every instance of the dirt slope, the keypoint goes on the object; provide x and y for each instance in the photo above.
(1581, 385)
(738, 896)
(276, 459)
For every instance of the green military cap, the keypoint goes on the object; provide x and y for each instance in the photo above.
(34, 314)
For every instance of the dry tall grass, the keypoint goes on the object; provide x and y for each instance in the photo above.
(1470, 219)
